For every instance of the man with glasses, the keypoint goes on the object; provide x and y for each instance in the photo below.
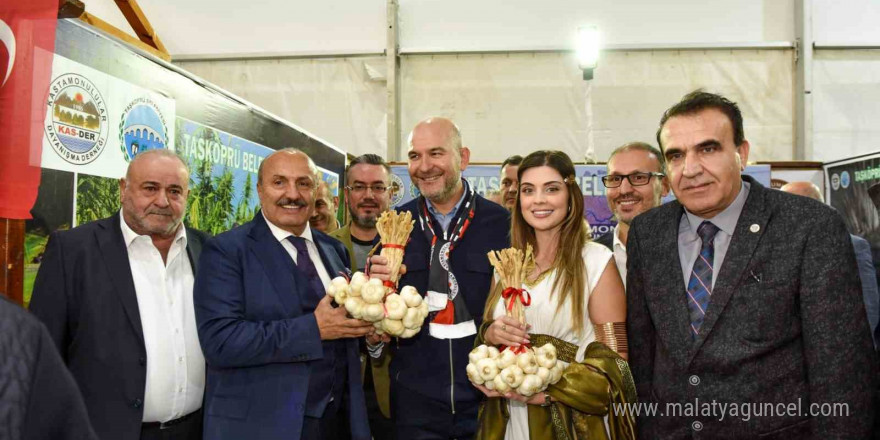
(368, 195)
(635, 183)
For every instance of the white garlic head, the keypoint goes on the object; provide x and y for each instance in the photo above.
(527, 362)
(481, 352)
(506, 359)
(487, 368)
(513, 375)
(395, 307)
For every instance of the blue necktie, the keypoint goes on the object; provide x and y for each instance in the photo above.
(699, 287)
(307, 267)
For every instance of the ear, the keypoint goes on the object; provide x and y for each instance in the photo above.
(743, 151)
(122, 184)
(664, 186)
(465, 157)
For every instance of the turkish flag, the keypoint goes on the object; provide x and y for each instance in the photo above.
(27, 44)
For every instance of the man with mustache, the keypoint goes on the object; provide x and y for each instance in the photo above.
(445, 259)
(636, 182)
(743, 302)
(282, 361)
(324, 215)
(117, 297)
(509, 186)
(367, 195)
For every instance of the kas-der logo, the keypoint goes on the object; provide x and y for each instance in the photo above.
(835, 181)
(141, 128)
(78, 128)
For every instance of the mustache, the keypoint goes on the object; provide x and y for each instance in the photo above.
(288, 201)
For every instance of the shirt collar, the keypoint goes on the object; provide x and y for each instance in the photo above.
(454, 211)
(128, 234)
(617, 241)
(281, 234)
(725, 220)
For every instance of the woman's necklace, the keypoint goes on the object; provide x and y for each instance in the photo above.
(538, 274)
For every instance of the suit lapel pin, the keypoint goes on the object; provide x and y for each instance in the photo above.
(754, 228)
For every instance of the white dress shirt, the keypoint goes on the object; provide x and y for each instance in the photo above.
(619, 250)
(175, 364)
(281, 235)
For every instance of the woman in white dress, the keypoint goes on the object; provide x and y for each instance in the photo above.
(577, 298)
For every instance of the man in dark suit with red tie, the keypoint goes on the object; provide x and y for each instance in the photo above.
(744, 309)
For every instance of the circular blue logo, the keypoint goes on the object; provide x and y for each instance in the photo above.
(844, 179)
(142, 128)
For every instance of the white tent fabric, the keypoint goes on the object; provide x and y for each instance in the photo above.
(341, 100)
(518, 102)
(846, 103)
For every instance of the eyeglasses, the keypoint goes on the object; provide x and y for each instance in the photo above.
(359, 188)
(635, 179)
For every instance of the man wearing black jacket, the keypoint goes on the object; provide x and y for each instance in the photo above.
(116, 296)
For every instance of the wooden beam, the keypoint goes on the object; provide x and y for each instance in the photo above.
(112, 30)
(12, 259)
(141, 25)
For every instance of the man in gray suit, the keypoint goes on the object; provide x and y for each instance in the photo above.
(744, 309)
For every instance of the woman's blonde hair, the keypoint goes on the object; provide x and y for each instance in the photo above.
(571, 273)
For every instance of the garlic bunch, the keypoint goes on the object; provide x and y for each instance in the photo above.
(526, 373)
(369, 299)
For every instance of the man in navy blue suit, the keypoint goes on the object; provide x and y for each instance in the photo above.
(282, 361)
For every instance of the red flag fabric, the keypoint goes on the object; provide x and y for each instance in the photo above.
(27, 44)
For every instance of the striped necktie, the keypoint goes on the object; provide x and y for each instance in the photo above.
(699, 287)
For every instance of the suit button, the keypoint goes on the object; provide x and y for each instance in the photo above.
(142, 361)
(694, 380)
(137, 403)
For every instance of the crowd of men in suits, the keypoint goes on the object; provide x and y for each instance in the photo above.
(736, 293)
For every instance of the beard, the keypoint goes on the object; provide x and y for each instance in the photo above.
(366, 221)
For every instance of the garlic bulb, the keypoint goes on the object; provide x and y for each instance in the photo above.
(411, 296)
(358, 281)
(500, 385)
(546, 355)
(481, 352)
(506, 359)
(393, 327)
(410, 332)
(527, 362)
(490, 385)
(412, 318)
(395, 307)
(487, 369)
(474, 374)
(331, 291)
(341, 295)
(513, 375)
(379, 329)
(493, 352)
(544, 374)
(339, 282)
(531, 384)
(373, 312)
(355, 307)
(372, 293)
